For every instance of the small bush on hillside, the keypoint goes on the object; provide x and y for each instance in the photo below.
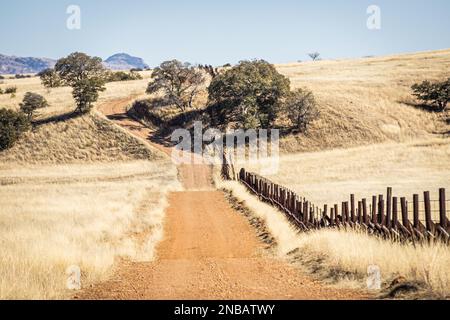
(2, 77)
(136, 70)
(436, 93)
(1, 91)
(10, 90)
(301, 109)
(31, 102)
(12, 125)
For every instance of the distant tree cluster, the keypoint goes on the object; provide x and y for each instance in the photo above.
(249, 95)
(22, 76)
(123, 76)
(436, 94)
(253, 94)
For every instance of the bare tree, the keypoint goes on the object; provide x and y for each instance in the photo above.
(180, 83)
(314, 55)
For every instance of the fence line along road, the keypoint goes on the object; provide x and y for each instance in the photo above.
(383, 215)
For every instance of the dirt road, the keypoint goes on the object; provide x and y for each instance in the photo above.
(209, 250)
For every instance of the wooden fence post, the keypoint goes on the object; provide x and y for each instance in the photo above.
(352, 206)
(416, 221)
(344, 216)
(394, 212)
(381, 218)
(374, 209)
(305, 211)
(359, 212)
(429, 221)
(389, 208)
(404, 208)
(336, 213)
(442, 209)
(364, 207)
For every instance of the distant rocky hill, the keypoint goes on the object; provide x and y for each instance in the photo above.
(20, 65)
(123, 61)
(16, 65)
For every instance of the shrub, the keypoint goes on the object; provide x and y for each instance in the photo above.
(123, 76)
(31, 102)
(437, 93)
(2, 77)
(10, 90)
(1, 91)
(12, 125)
(21, 76)
(300, 108)
(50, 78)
(249, 94)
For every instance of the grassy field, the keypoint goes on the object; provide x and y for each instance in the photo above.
(366, 101)
(87, 215)
(329, 177)
(76, 192)
(60, 99)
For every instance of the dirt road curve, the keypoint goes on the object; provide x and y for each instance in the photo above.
(209, 251)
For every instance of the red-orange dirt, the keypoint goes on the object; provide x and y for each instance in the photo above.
(209, 250)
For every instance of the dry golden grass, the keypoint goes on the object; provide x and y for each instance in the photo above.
(367, 101)
(60, 99)
(342, 257)
(88, 215)
(84, 139)
(77, 192)
(329, 177)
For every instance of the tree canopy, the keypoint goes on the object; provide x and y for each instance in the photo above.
(249, 93)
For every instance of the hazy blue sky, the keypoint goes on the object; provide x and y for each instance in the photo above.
(218, 32)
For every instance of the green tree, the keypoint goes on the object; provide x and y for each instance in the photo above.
(436, 93)
(50, 78)
(179, 82)
(86, 75)
(249, 93)
(300, 108)
(31, 102)
(12, 125)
